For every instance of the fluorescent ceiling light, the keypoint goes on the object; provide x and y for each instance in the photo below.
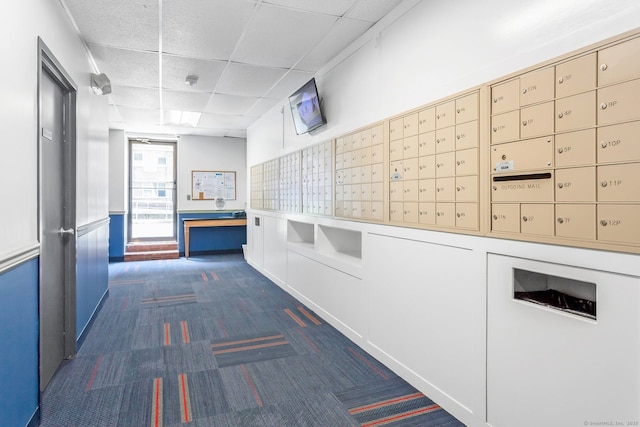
(182, 118)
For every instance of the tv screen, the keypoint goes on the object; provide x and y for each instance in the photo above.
(305, 108)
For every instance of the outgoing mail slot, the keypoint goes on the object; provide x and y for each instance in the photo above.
(619, 183)
(619, 223)
(395, 149)
(377, 153)
(410, 168)
(410, 212)
(446, 189)
(522, 155)
(410, 147)
(537, 120)
(619, 103)
(446, 114)
(467, 189)
(576, 112)
(410, 125)
(427, 143)
(446, 214)
(446, 139)
(467, 135)
(410, 191)
(536, 187)
(619, 143)
(576, 148)
(445, 164)
(537, 219)
(537, 86)
(427, 213)
(505, 217)
(396, 211)
(467, 215)
(396, 129)
(467, 108)
(427, 190)
(467, 162)
(576, 76)
(618, 63)
(505, 127)
(505, 97)
(427, 167)
(427, 120)
(576, 221)
(576, 185)
(396, 191)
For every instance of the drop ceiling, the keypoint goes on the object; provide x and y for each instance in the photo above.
(247, 55)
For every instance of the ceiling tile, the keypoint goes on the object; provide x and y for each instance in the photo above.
(345, 32)
(140, 115)
(230, 104)
(113, 22)
(135, 97)
(291, 82)
(217, 121)
(184, 101)
(240, 134)
(204, 28)
(262, 106)
(248, 80)
(175, 69)
(329, 7)
(127, 67)
(279, 37)
(371, 10)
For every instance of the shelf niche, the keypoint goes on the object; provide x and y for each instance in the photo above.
(340, 243)
(301, 233)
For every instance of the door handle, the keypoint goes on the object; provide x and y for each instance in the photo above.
(67, 232)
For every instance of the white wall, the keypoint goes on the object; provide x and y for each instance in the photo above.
(423, 301)
(211, 153)
(118, 172)
(21, 23)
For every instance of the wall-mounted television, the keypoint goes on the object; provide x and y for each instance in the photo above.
(306, 109)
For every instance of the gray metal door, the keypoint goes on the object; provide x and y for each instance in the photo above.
(52, 233)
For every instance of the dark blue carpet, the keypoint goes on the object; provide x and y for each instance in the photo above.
(211, 342)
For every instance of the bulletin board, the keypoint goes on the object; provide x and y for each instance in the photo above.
(211, 185)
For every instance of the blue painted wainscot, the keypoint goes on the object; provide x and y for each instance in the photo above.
(212, 239)
(117, 233)
(19, 350)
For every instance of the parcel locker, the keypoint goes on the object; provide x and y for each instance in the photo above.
(619, 143)
(505, 217)
(505, 97)
(576, 221)
(505, 127)
(619, 183)
(619, 62)
(427, 120)
(619, 223)
(619, 103)
(467, 108)
(576, 112)
(537, 120)
(530, 154)
(576, 184)
(575, 148)
(537, 219)
(576, 76)
(537, 86)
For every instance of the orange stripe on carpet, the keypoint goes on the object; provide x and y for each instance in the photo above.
(94, 373)
(185, 401)
(156, 412)
(224, 329)
(250, 347)
(309, 316)
(185, 332)
(167, 334)
(295, 318)
(298, 330)
(204, 277)
(386, 403)
(402, 416)
(368, 363)
(252, 386)
(215, 276)
(225, 344)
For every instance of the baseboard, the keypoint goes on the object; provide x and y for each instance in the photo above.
(35, 418)
(116, 258)
(87, 328)
(216, 252)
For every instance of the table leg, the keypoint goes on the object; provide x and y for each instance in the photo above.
(186, 241)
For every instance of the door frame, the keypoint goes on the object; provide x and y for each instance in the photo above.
(47, 63)
(174, 144)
